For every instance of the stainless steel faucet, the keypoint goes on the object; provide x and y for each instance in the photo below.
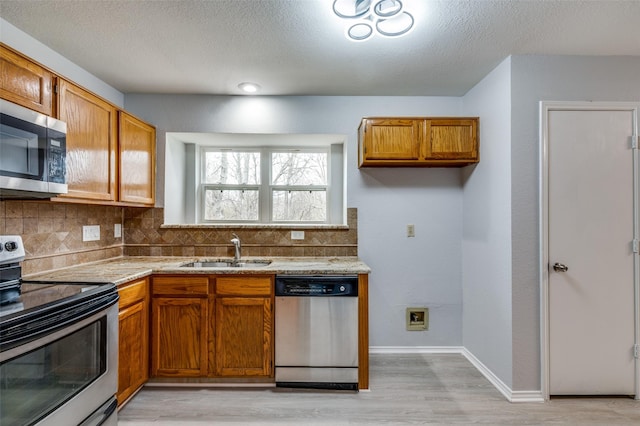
(238, 246)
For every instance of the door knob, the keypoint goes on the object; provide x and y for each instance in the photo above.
(559, 267)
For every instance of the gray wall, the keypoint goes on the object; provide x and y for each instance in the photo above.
(486, 237)
(534, 79)
(407, 272)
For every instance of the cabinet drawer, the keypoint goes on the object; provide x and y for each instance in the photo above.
(180, 286)
(244, 286)
(132, 292)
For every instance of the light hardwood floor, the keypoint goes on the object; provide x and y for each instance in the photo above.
(405, 389)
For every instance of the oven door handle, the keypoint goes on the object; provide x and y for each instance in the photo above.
(17, 333)
(102, 414)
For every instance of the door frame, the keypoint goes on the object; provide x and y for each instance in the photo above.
(545, 108)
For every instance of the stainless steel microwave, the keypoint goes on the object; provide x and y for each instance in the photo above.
(32, 153)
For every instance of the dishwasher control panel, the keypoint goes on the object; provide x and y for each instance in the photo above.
(298, 285)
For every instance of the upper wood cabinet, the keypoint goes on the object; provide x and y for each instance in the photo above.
(418, 142)
(110, 153)
(137, 147)
(91, 143)
(24, 82)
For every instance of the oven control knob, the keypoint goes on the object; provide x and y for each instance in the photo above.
(342, 288)
(10, 246)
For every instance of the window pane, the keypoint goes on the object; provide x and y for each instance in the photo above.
(299, 168)
(231, 204)
(232, 168)
(300, 206)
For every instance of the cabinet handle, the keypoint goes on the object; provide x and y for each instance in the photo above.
(559, 267)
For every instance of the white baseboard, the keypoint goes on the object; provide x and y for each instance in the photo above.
(510, 395)
(415, 349)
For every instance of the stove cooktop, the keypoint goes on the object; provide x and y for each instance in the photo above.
(38, 294)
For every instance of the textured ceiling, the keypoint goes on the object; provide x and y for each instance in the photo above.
(297, 47)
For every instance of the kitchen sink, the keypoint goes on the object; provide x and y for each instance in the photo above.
(227, 264)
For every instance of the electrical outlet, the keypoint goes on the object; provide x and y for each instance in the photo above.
(91, 233)
(297, 235)
(117, 230)
(411, 231)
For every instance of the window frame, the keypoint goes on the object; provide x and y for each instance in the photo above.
(265, 188)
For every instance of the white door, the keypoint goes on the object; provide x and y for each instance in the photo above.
(590, 232)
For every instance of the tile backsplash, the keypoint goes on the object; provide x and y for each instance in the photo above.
(145, 236)
(52, 234)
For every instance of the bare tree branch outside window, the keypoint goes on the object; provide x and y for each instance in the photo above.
(298, 186)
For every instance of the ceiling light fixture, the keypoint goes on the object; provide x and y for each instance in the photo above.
(249, 87)
(368, 17)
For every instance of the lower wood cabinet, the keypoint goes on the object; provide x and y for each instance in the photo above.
(215, 326)
(179, 326)
(133, 318)
(244, 326)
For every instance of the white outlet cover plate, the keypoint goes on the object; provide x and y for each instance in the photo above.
(91, 233)
(117, 230)
(297, 235)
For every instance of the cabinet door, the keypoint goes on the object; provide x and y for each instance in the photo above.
(133, 349)
(243, 336)
(452, 139)
(137, 146)
(133, 360)
(91, 143)
(24, 82)
(390, 140)
(179, 337)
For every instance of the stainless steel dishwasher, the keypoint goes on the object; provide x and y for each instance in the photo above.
(317, 331)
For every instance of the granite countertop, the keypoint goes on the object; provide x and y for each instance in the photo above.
(124, 269)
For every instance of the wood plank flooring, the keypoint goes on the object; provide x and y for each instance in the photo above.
(405, 389)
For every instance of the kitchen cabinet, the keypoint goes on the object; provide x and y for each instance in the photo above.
(418, 142)
(137, 146)
(91, 143)
(110, 153)
(196, 332)
(244, 326)
(133, 337)
(179, 328)
(25, 82)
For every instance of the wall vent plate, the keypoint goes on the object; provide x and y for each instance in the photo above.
(417, 319)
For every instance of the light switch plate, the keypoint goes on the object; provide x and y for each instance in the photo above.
(411, 231)
(117, 230)
(297, 235)
(91, 233)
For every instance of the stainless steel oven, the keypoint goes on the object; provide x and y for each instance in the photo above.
(59, 354)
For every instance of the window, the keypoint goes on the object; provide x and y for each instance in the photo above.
(266, 184)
